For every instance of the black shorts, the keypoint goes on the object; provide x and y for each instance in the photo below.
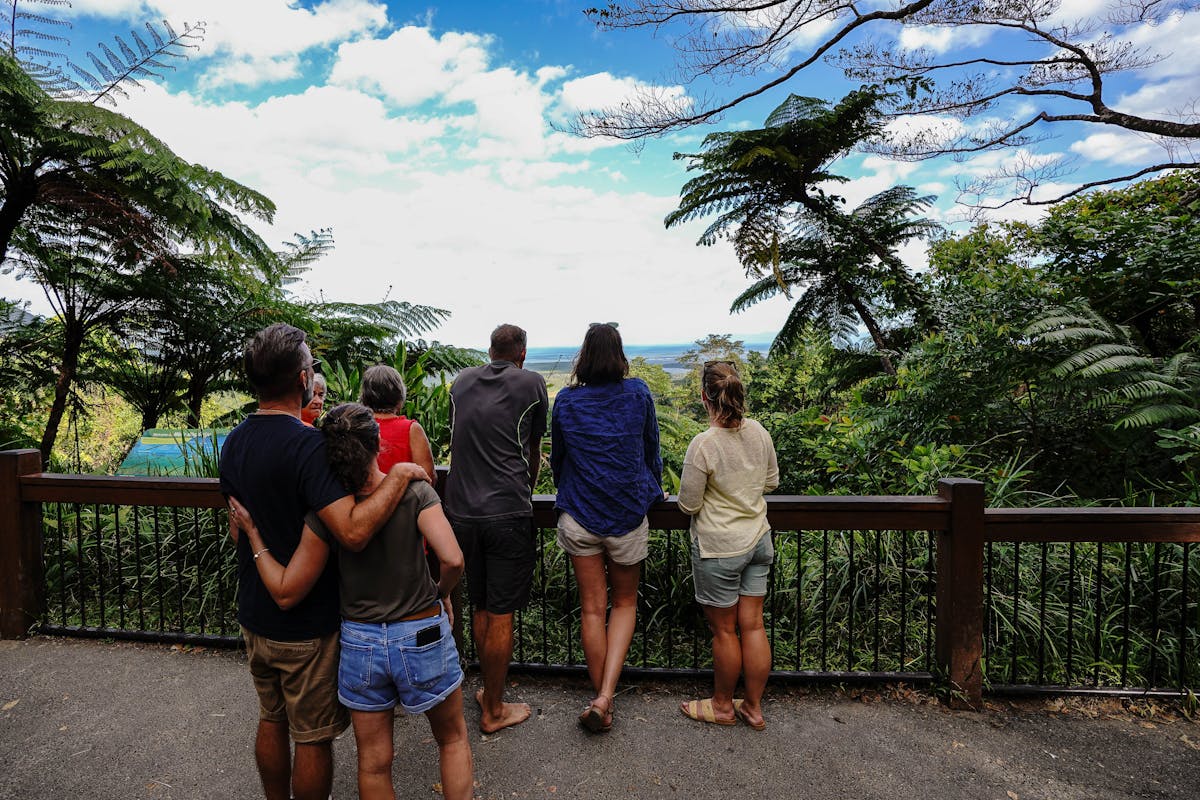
(500, 556)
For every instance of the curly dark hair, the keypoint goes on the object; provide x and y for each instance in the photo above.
(352, 443)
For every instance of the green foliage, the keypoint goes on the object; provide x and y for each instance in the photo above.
(655, 376)
(1132, 254)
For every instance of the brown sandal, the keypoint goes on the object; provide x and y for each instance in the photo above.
(595, 719)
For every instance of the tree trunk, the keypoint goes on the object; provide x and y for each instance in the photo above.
(876, 332)
(62, 389)
(196, 390)
(17, 200)
(150, 418)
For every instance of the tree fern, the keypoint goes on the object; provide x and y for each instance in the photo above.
(30, 39)
(1144, 391)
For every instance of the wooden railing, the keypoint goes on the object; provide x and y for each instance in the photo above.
(838, 564)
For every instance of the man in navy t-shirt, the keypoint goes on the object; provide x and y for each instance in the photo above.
(275, 465)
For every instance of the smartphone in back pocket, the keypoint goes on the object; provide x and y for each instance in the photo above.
(429, 635)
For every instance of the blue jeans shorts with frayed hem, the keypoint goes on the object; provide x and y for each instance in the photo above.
(720, 581)
(382, 665)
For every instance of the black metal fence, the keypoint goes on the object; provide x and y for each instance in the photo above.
(840, 603)
(1091, 615)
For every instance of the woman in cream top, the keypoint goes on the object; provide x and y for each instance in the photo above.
(726, 471)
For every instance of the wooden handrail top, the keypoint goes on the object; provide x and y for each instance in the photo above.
(1092, 524)
(125, 490)
(786, 512)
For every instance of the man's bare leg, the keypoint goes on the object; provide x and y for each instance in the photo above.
(312, 771)
(273, 755)
(495, 646)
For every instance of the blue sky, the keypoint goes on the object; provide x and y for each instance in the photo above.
(427, 137)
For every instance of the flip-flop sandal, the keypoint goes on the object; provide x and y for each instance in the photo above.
(702, 711)
(737, 712)
(593, 719)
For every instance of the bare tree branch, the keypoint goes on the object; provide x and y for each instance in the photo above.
(1056, 62)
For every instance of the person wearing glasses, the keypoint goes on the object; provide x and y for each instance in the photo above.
(277, 467)
(726, 471)
(608, 472)
(396, 640)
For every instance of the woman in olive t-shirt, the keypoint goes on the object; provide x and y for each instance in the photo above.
(396, 637)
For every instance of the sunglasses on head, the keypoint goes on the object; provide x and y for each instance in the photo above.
(598, 324)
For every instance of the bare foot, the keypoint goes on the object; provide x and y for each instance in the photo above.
(510, 714)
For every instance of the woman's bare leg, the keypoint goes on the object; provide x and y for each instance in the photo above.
(454, 748)
(373, 735)
(727, 657)
(756, 654)
(592, 578)
(621, 623)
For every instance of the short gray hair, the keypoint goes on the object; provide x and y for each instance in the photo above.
(383, 389)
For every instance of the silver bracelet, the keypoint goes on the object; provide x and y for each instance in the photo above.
(260, 552)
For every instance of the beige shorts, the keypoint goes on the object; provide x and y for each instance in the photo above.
(626, 548)
(297, 684)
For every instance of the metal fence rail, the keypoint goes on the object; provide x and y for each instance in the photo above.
(863, 588)
(841, 605)
(1091, 599)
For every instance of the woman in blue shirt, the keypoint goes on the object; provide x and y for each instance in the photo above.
(607, 470)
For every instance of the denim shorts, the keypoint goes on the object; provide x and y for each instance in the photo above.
(720, 581)
(382, 665)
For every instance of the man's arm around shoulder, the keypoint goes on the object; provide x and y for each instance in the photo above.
(354, 523)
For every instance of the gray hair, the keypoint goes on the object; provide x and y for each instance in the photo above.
(383, 389)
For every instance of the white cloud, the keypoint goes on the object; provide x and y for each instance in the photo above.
(941, 40)
(994, 162)
(519, 239)
(604, 90)
(1069, 11)
(507, 111)
(772, 17)
(1176, 39)
(1118, 148)
(411, 65)
(260, 39)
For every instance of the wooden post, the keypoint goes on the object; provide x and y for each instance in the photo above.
(959, 643)
(22, 592)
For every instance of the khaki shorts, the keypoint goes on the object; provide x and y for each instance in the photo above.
(297, 684)
(626, 548)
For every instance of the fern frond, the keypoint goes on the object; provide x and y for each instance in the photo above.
(1159, 415)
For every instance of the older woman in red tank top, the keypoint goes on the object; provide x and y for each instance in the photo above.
(400, 439)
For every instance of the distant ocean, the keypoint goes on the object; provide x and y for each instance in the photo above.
(550, 360)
